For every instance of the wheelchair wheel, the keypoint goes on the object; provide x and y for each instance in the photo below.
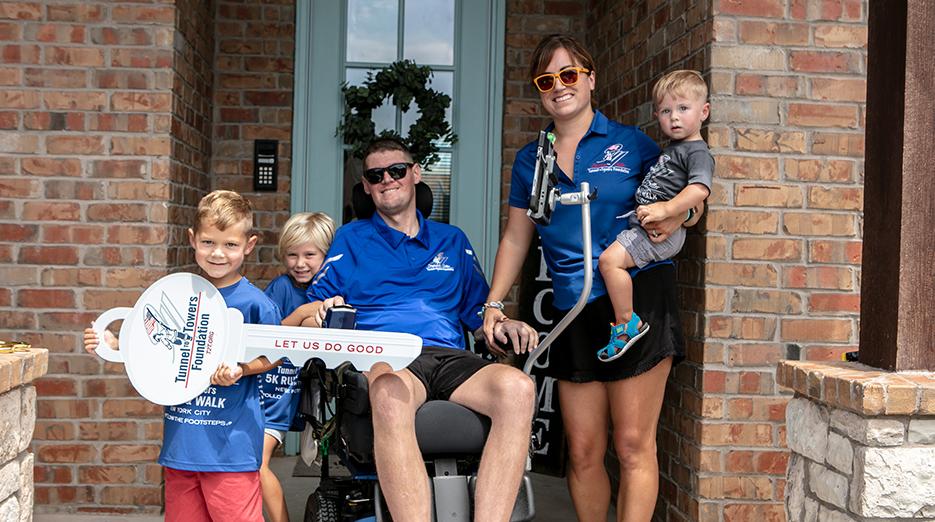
(322, 506)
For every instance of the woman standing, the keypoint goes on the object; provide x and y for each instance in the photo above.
(626, 393)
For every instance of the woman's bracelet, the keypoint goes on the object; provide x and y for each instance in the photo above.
(497, 305)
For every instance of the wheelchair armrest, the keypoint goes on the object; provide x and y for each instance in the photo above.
(354, 392)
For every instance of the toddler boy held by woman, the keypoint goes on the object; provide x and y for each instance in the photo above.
(678, 182)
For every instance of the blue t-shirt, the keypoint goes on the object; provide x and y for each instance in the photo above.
(287, 294)
(222, 429)
(280, 388)
(428, 285)
(613, 158)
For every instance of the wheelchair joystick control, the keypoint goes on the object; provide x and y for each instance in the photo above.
(543, 197)
(340, 316)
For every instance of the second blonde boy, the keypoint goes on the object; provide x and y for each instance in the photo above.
(303, 242)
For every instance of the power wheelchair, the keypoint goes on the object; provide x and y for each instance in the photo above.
(451, 437)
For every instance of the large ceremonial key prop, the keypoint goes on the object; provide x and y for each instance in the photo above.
(180, 330)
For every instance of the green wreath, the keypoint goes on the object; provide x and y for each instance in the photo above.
(403, 82)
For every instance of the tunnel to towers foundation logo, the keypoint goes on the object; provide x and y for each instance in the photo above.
(439, 263)
(610, 160)
(179, 333)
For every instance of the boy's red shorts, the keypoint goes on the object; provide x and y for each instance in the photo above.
(195, 496)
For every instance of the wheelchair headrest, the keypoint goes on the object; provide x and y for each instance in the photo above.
(364, 207)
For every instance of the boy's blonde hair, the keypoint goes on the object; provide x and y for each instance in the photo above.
(316, 228)
(223, 209)
(684, 82)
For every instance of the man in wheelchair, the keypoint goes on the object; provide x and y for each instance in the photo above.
(407, 274)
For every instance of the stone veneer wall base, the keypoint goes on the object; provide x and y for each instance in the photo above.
(17, 421)
(862, 442)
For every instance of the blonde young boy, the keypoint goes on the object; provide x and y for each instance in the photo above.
(678, 182)
(213, 445)
(303, 242)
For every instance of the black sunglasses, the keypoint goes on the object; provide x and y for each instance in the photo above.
(396, 171)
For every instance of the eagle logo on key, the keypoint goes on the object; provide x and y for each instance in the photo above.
(164, 326)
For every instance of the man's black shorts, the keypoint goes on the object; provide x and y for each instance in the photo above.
(442, 370)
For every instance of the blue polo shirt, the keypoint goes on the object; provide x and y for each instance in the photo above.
(427, 285)
(613, 158)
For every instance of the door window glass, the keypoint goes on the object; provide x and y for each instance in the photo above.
(429, 32)
(371, 30)
(376, 37)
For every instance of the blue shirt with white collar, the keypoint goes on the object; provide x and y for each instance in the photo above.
(428, 285)
(613, 158)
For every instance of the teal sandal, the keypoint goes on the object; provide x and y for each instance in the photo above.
(617, 346)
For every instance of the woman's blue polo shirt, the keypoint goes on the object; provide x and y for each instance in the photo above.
(427, 285)
(613, 158)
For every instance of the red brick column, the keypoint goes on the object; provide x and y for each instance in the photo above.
(105, 114)
(782, 244)
(190, 132)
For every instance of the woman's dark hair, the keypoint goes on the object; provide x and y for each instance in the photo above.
(551, 43)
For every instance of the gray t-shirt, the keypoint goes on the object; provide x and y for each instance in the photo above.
(679, 165)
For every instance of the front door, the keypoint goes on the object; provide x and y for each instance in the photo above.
(462, 41)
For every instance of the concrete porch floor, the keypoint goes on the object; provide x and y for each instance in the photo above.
(551, 496)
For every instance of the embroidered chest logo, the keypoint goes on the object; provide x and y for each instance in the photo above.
(611, 160)
(439, 264)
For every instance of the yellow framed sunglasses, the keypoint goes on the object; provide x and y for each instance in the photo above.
(568, 76)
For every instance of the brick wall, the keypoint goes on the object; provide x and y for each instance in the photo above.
(192, 115)
(253, 100)
(86, 111)
(635, 43)
(782, 237)
(527, 21)
(106, 113)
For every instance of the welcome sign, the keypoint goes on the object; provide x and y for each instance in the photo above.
(180, 330)
(535, 308)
